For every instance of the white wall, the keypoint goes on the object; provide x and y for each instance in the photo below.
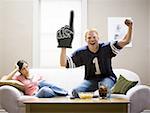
(17, 28)
(1, 35)
(135, 58)
(149, 45)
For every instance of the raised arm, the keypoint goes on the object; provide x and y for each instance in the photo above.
(126, 40)
(11, 74)
(63, 61)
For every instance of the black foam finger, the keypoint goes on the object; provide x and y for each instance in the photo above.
(71, 21)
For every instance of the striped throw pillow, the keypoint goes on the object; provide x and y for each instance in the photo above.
(123, 85)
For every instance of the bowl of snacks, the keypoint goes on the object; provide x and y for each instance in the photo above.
(86, 95)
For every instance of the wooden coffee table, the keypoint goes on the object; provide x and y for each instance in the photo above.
(67, 105)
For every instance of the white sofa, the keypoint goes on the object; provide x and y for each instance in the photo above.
(10, 97)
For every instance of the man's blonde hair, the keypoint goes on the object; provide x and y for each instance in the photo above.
(90, 30)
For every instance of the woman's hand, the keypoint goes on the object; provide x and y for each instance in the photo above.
(16, 67)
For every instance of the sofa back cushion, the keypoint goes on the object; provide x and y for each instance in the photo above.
(72, 77)
(65, 78)
(129, 75)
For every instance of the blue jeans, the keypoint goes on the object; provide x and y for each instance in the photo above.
(92, 85)
(47, 90)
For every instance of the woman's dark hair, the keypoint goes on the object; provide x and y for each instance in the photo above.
(20, 63)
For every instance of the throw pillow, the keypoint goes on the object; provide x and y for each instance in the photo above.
(13, 83)
(123, 85)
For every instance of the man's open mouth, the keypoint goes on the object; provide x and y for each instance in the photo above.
(92, 43)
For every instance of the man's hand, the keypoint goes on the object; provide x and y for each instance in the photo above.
(128, 23)
(65, 34)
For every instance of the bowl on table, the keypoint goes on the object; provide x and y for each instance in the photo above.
(86, 95)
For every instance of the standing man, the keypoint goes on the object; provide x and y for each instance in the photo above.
(95, 56)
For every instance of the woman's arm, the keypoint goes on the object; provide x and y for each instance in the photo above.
(11, 74)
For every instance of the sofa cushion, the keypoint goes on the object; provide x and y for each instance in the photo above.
(130, 75)
(13, 83)
(62, 77)
(123, 85)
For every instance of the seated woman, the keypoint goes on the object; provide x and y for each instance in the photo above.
(34, 85)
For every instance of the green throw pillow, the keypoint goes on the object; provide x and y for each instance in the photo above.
(123, 85)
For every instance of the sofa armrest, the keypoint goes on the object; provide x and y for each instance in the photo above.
(24, 98)
(139, 98)
(9, 97)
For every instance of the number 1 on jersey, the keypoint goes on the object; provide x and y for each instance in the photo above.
(95, 61)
